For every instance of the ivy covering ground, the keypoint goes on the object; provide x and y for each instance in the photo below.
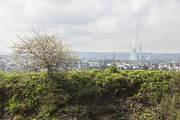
(95, 95)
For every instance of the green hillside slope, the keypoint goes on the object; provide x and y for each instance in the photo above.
(90, 95)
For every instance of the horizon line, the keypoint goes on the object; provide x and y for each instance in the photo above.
(110, 52)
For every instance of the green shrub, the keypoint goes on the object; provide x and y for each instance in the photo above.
(113, 69)
(30, 92)
(109, 78)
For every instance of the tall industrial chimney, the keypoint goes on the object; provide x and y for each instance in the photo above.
(140, 52)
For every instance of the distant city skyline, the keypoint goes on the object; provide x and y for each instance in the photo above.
(96, 25)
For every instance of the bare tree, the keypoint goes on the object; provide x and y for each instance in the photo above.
(44, 51)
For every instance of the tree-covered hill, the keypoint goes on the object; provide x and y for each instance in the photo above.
(93, 95)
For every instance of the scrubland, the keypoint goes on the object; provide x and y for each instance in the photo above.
(91, 95)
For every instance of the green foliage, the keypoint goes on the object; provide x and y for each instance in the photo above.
(19, 117)
(30, 93)
(13, 106)
(67, 97)
(109, 78)
(113, 69)
(112, 107)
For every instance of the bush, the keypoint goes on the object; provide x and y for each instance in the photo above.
(113, 69)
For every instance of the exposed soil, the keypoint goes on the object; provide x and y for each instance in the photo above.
(123, 100)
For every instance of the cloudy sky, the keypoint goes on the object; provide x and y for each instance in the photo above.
(96, 25)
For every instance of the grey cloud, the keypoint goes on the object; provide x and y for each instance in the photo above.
(77, 32)
(93, 25)
(170, 32)
(66, 15)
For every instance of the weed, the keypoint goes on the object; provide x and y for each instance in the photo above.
(112, 107)
(13, 106)
(67, 97)
(19, 117)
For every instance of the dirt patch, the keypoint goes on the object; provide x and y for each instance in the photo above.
(117, 103)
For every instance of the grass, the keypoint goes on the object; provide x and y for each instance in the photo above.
(110, 94)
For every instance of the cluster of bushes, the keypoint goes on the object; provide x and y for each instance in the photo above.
(90, 95)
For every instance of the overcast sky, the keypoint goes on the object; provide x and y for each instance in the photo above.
(96, 25)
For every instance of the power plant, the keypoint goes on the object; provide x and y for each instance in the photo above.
(137, 10)
(133, 55)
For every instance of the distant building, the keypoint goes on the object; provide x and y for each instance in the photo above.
(142, 58)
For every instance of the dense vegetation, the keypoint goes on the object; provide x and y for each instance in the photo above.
(96, 94)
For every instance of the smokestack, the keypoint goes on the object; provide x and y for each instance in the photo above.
(140, 52)
(113, 56)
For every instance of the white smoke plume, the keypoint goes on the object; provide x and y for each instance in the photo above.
(138, 9)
